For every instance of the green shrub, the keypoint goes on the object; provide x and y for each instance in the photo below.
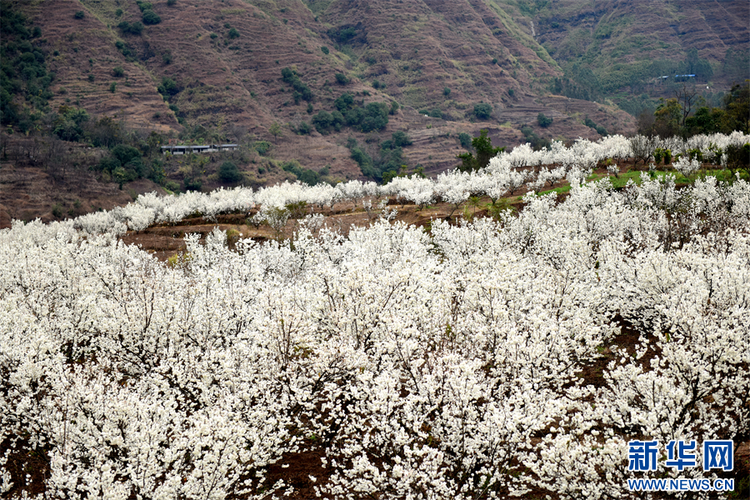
(171, 2)
(57, 211)
(483, 111)
(305, 175)
(532, 138)
(658, 155)
(695, 154)
(386, 165)
(543, 120)
(262, 147)
(354, 116)
(275, 129)
(342, 34)
(341, 79)
(301, 91)
(69, 122)
(400, 138)
(304, 128)
(323, 121)
(229, 173)
(485, 151)
(373, 116)
(325, 50)
(135, 28)
(233, 33)
(599, 129)
(446, 91)
(738, 157)
(363, 159)
(125, 154)
(125, 164)
(168, 87)
(344, 102)
(150, 17)
(118, 72)
(118, 13)
(79, 14)
(465, 140)
(376, 117)
(192, 184)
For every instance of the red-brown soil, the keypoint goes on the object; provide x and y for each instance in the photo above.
(233, 87)
(53, 180)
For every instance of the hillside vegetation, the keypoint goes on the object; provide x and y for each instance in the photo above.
(313, 90)
(224, 59)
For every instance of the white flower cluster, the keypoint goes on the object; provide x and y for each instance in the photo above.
(505, 175)
(711, 146)
(462, 363)
(686, 166)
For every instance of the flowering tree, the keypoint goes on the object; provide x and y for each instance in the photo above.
(480, 360)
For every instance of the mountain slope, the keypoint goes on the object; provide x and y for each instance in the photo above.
(663, 29)
(420, 48)
(83, 55)
(614, 46)
(422, 54)
(212, 71)
(222, 63)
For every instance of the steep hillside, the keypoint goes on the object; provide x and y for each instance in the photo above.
(421, 48)
(619, 48)
(616, 32)
(411, 51)
(213, 71)
(83, 53)
(226, 59)
(267, 74)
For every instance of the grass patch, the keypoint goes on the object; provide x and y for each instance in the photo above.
(635, 175)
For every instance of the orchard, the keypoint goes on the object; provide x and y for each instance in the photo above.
(505, 357)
